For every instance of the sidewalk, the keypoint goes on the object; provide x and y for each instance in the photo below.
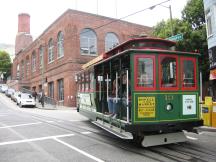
(53, 107)
(207, 128)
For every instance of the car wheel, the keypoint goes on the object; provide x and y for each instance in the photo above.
(20, 105)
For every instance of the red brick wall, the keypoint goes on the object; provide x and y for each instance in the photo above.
(23, 40)
(71, 23)
(23, 37)
(24, 23)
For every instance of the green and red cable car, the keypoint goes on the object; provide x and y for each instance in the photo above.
(156, 93)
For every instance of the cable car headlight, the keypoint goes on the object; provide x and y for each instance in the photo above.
(169, 107)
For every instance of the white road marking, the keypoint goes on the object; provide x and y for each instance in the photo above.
(75, 120)
(192, 138)
(3, 115)
(60, 121)
(86, 132)
(20, 125)
(37, 118)
(78, 150)
(35, 139)
(49, 121)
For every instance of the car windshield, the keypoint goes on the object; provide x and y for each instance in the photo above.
(26, 96)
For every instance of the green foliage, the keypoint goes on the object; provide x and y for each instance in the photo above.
(194, 13)
(163, 28)
(193, 28)
(5, 64)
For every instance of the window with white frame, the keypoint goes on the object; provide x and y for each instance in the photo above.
(111, 40)
(50, 51)
(88, 42)
(41, 52)
(34, 61)
(209, 22)
(60, 44)
(61, 89)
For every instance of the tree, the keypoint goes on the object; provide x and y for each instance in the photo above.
(193, 28)
(194, 13)
(5, 64)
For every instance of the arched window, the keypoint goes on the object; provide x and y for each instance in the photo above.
(111, 40)
(33, 61)
(41, 52)
(88, 42)
(60, 44)
(50, 51)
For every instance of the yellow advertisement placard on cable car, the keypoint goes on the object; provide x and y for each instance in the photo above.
(146, 107)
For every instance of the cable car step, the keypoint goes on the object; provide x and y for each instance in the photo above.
(113, 129)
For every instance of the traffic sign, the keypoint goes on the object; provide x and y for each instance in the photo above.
(176, 38)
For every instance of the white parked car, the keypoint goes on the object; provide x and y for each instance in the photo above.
(25, 99)
(4, 88)
(14, 96)
(10, 91)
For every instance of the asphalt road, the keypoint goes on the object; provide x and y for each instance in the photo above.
(28, 134)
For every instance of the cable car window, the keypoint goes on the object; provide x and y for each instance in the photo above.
(145, 72)
(91, 80)
(188, 73)
(83, 81)
(168, 71)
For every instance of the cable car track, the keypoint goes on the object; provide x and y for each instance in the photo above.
(127, 146)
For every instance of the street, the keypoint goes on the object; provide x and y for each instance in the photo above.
(31, 134)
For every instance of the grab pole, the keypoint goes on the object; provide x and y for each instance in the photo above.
(127, 99)
(107, 87)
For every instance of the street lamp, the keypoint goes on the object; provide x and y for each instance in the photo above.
(170, 12)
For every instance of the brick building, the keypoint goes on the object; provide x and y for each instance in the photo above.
(51, 61)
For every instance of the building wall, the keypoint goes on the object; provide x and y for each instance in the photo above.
(210, 10)
(211, 4)
(71, 23)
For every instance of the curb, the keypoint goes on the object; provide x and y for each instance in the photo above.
(205, 128)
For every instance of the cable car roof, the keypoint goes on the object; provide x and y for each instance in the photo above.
(128, 46)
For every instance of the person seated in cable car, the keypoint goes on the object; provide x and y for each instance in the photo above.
(124, 95)
(113, 99)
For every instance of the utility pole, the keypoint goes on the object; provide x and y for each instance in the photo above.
(170, 13)
(171, 21)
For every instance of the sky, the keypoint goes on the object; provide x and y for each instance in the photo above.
(45, 12)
